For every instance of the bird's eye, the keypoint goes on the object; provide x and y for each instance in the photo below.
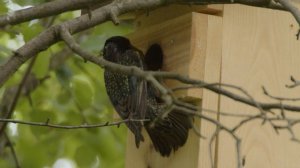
(108, 47)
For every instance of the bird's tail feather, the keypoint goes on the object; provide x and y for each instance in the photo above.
(170, 133)
(136, 128)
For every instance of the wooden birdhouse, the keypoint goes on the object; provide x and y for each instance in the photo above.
(236, 44)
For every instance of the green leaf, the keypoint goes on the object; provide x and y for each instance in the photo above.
(28, 2)
(107, 145)
(42, 116)
(64, 97)
(3, 8)
(83, 91)
(7, 163)
(86, 156)
(74, 94)
(30, 30)
(95, 41)
(41, 65)
(33, 158)
(64, 75)
(17, 77)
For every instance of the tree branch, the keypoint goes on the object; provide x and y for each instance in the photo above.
(65, 30)
(277, 97)
(13, 152)
(59, 6)
(51, 35)
(257, 3)
(12, 105)
(44, 10)
(148, 75)
(289, 6)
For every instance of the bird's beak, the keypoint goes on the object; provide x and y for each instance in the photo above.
(106, 51)
(102, 52)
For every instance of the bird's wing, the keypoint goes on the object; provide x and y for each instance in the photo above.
(134, 104)
(137, 86)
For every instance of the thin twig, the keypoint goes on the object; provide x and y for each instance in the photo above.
(220, 127)
(241, 123)
(197, 131)
(210, 146)
(277, 97)
(166, 95)
(18, 93)
(12, 149)
(46, 9)
(69, 40)
(48, 124)
(295, 83)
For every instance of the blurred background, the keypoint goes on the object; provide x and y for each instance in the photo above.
(69, 91)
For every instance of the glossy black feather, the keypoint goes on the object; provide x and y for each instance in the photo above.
(134, 98)
(127, 93)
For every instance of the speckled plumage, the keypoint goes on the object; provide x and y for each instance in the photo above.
(134, 98)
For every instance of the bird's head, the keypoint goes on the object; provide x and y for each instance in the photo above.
(114, 47)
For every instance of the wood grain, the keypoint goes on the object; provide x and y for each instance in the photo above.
(212, 73)
(174, 36)
(162, 14)
(248, 47)
(259, 48)
(184, 40)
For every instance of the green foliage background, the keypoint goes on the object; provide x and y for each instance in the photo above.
(74, 94)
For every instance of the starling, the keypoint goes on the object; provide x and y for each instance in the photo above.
(135, 98)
